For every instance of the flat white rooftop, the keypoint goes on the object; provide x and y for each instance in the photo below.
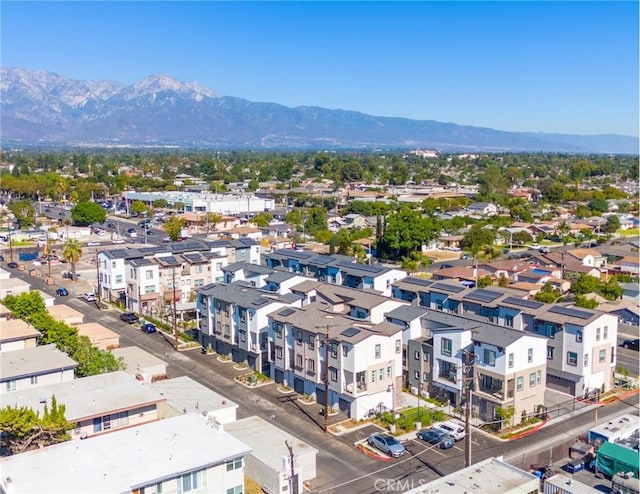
(88, 396)
(490, 476)
(32, 361)
(189, 396)
(123, 460)
(267, 441)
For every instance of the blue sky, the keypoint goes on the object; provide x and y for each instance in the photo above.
(545, 66)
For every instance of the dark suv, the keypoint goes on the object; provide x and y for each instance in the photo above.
(129, 317)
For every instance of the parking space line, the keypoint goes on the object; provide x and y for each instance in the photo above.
(431, 449)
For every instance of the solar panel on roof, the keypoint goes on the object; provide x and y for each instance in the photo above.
(286, 312)
(483, 295)
(530, 304)
(448, 288)
(349, 332)
(568, 311)
(259, 302)
(418, 281)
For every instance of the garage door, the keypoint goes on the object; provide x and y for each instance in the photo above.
(298, 385)
(320, 394)
(561, 384)
(279, 376)
(345, 407)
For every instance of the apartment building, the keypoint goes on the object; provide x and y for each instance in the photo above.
(232, 320)
(182, 268)
(580, 342)
(361, 361)
(179, 454)
(336, 269)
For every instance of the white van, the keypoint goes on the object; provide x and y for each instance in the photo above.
(455, 430)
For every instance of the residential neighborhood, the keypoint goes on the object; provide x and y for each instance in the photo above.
(288, 342)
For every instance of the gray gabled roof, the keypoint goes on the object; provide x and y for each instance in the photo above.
(407, 313)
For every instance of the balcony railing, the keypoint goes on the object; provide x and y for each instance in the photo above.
(448, 376)
(360, 387)
(493, 391)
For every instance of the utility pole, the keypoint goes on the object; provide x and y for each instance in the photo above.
(293, 488)
(326, 374)
(175, 328)
(467, 409)
(98, 277)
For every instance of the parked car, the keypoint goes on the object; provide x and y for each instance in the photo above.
(62, 291)
(89, 297)
(455, 430)
(69, 275)
(147, 327)
(129, 317)
(465, 257)
(534, 247)
(131, 230)
(387, 444)
(437, 437)
(1, 258)
(12, 265)
(631, 344)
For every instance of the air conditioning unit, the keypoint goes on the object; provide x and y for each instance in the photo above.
(414, 390)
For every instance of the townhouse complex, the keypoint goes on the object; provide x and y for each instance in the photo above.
(383, 330)
(356, 335)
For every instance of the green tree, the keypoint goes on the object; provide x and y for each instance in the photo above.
(484, 281)
(405, 232)
(505, 414)
(87, 213)
(23, 429)
(173, 226)
(72, 252)
(316, 220)
(585, 303)
(613, 224)
(24, 305)
(159, 203)
(262, 219)
(138, 208)
(477, 238)
(494, 185)
(211, 220)
(548, 294)
(24, 212)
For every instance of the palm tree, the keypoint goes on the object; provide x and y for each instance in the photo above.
(47, 251)
(72, 251)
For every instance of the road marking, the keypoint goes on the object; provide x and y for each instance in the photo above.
(430, 448)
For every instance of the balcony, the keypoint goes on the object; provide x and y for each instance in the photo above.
(360, 387)
(494, 391)
(145, 297)
(451, 376)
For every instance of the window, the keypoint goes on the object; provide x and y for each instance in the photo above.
(333, 373)
(118, 278)
(425, 356)
(279, 352)
(425, 377)
(602, 356)
(572, 358)
(192, 481)
(398, 346)
(124, 418)
(234, 464)
(378, 351)
(311, 365)
(373, 376)
(381, 374)
(530, 355)
(532, 379)
(333, 349)
(148, 274)
(446, 347)
(311, 342)
(508, 321)
(389, 372)
(34, 380)
(519, 383)
(345, 350)
(149, 289)
(490, 357)
(299, 337)
(585, 360)
(416, 374)
(235, 490)
(597, 334)
(299, 360)
(538, 377)
(605, 332)
(416, 355)
(579, 336)
(198, 268)
(511, 361)
(550, 352)
(227, 330)
(11, 385)
(278, 329)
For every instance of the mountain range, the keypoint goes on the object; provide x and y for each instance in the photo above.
(39, 107)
